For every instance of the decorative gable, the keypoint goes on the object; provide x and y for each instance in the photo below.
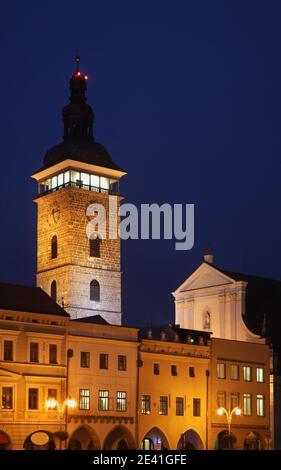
(205, 276)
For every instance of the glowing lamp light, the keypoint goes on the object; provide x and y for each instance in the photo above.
(51, 403)
(238, 412)
(78, 73)
(71, 403)
(220, 411)
(86, 77)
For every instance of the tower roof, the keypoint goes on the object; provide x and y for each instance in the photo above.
(78, 140)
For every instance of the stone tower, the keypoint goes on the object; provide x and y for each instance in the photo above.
(82, 274)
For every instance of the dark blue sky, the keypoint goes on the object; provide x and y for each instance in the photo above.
(187, 97)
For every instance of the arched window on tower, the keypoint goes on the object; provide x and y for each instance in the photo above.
(54, 247)
(95, 291)
(95, 244)
(54, 291)
(206, 320)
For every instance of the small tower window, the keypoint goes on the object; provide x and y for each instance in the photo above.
(54, 247)
(95, 244)
(54, 291)
(95, 291)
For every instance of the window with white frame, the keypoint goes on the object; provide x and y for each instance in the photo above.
(260, 405)
(247, 404)
(247, 373)
(221, 370)
(7, 400)
(260, 374)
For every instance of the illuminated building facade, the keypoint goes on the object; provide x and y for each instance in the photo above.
(62, 342)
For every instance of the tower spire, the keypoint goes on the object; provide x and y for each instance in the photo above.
(77, 60)
(78, 116)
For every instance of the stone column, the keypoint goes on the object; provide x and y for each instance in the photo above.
(222, 319)
(233, 319)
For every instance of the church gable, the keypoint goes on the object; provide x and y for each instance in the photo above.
(205, 276)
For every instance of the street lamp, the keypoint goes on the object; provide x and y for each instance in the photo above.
(68, 403)
(229, 414)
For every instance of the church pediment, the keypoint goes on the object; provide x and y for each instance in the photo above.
(205, 276)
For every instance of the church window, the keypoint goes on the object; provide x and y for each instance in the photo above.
(54, 291)
(95, 243)
(54, 247)
(95, 291)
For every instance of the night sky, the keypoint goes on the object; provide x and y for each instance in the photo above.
(187, 98)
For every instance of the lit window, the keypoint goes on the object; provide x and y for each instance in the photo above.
(8, 350)
(145, 404)
(103, 361)
(234, 372)
(52, 353)
(95, 181)
(122, 362)
(220, 371)
(95, 291)
(103, 400)
(163, 405)
(247, 404)
(7, 398)
(196, 407)
(75, 176)
(84, 399)
(66, 177)
(260, 405)
(48, 185)
(221, 399)
(54, 182)
(85, 178)
(260, 374)
(247, 373)
(147, 444)
(104, 183)
(85, 359)
(60, 179)
(33, 399)
(121, 401)
(179, 406)
(52, 395)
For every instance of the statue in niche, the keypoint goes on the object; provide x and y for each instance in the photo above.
(206, 320)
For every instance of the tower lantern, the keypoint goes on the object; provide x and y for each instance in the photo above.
(77, 172)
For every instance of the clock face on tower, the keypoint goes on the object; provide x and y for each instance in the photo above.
(54, 214)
